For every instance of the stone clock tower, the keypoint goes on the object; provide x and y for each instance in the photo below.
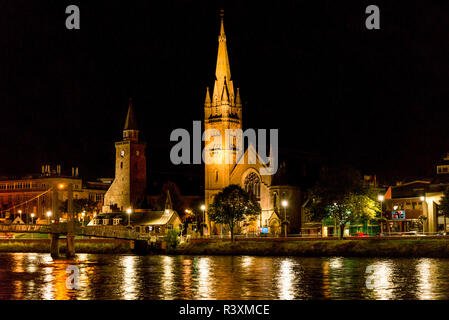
(130, 169)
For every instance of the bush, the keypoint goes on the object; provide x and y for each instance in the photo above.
(172, 239)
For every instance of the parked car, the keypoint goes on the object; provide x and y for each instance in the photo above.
(360, 235)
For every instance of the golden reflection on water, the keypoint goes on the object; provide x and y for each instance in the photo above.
(47, 290)
(382, 284)
(129, 278)
(285, 280)
(168, 278)
(37, 276)
(204, 280)
(425, 269)
(187, 273)
(326, 280)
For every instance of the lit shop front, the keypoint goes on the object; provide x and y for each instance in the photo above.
(402, 221)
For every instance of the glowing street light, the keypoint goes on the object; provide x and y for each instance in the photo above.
(284, 205)
(381, 199)
(83, 214)
(203, 208)
(32, 217)
(129, 211)
(48, 216)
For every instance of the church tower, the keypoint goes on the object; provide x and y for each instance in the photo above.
(222, 111)
(130, 180)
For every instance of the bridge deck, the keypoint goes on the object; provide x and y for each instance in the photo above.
(94, 231)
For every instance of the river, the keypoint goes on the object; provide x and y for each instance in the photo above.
(37, 276)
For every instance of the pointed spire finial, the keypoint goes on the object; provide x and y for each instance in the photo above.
(238, 100)
(168, 202)
(207, 101)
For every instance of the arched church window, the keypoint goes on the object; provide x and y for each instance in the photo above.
(216, 175)
(121, 165)
(252, 184)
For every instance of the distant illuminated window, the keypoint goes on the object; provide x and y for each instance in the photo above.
(121, 165)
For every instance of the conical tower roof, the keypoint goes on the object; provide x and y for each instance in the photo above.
(130, 123)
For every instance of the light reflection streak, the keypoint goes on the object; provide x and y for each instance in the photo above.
(425, 270)
(247, 262)
(382, 284)
(204, 280)
(129, 278)
(167, 279)
(285, 280)
(48, 288)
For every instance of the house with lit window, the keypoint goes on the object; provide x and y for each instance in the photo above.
(414, 205)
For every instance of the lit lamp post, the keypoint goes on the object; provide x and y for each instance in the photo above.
(284, 205)
(381, 199)
(83, 214)
(48, 216)
(129, 211)
(422, 198)
(20, 214)
(32, 218)
(203, 208)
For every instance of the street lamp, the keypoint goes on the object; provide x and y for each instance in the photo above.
(48, 216)
(32, 218)
(20, 214)
(381, 199)
(83, 214)
(203, 208)
(129, 211)
(284, 205)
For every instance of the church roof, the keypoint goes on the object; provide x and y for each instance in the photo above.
(131, 123)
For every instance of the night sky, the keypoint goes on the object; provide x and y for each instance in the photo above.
(376, 99)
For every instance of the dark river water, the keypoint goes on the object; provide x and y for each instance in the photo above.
(37, 276)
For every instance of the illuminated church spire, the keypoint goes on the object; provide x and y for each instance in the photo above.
(223, 80)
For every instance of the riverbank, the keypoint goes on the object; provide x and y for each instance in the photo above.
(81, 246)
(435, 248)
(432, 248)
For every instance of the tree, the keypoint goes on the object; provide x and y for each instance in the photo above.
(444, 206)
(231, 206)
(339, 194)
(80, 205)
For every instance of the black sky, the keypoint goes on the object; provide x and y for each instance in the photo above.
(378, 99)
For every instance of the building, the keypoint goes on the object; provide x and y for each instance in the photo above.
(40, 193)
(130, 182)
(157, 223)
(404, 205)
(414, 205)
(222, 112)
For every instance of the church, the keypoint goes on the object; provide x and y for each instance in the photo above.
(223, 111)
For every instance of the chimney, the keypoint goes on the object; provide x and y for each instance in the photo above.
(76, 172)
(58, 169)
(73, 171)
(43, 169)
